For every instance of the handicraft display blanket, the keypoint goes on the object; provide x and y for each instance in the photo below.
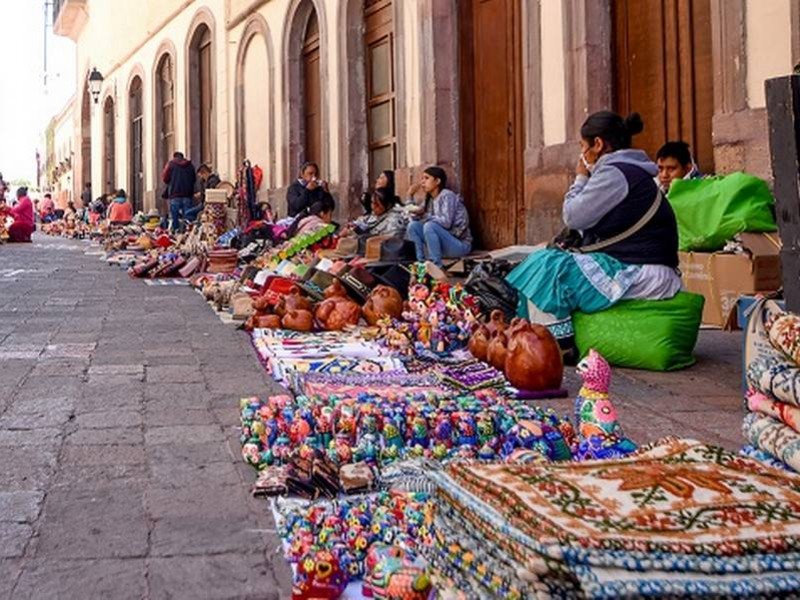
(772, 436)
(680, 518)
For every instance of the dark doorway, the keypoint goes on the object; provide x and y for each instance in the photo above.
(312, 99)
(201, 97)
(136, 185)
(109, 147)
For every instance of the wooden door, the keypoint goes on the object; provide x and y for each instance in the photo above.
(136, 192)
(109, 153)
(491, 119)
(206, 100)
(312, 99)
(380, 85)
(664, 71)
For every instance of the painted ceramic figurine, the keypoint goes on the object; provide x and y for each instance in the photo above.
(599, 432)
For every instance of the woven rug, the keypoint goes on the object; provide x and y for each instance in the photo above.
(774, 437)
(677, 496)
(751, 451)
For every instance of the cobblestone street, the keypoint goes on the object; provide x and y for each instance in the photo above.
(119, 468)
(120, 473)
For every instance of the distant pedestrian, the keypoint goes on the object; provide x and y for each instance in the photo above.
(22, 213)
(180, 178)
(86, 195)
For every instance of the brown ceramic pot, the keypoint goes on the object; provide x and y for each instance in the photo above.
(267, 321)
(479, 343)
(335, 290)
(294, 300)
(496, 351)
(497, 321)
(298, 320)
(261, 304)
(384, 301)
(334, 314)
(533, 361)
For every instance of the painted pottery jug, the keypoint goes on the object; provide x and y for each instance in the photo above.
(384, 301)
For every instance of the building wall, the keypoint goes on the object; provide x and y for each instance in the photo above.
(567, 74)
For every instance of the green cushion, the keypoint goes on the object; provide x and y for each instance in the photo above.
(657, 335)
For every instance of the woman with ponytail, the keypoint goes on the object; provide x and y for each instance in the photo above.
(622, 239)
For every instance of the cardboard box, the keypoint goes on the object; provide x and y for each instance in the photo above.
(723, 277)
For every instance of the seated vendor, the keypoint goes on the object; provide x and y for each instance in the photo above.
(319, 215)
(624, 226)
(674, 161)
(440, 228)
(386, 217)
(22, 213)
(383, 181)
(306, 191)
(120, 212)
(48, 208)
(206, 180)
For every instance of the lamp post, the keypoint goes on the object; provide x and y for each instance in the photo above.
(95, 83)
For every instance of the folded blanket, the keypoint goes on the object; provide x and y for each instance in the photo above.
(771, 435)
(765, 457)
(785, 413)
(776, 377)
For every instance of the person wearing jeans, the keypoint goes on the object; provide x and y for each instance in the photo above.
(180, 178)
(442, 228)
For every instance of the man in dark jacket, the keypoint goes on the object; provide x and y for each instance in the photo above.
(180, 177)
(306, 191)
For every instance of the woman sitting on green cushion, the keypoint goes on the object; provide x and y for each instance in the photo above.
(615, 204)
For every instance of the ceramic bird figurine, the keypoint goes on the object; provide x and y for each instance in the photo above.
(600, 435)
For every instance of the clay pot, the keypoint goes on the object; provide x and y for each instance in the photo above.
(479, 343)
(261, 304)
(294, 300)
(533, 361)
(298, 320)
(334, 314)
(267, 321)
(497, 321)
(335, 290)
(384, 301)
(496, 351)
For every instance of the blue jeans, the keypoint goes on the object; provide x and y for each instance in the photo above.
(435, 242)
(177, 211)
(191, 214)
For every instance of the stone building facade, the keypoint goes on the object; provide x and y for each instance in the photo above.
(493, 90)
(60, 154)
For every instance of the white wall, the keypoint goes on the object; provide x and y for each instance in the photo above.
(769, 45)
(554, 109)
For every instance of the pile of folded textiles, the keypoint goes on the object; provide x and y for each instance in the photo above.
(289, 354)
(772, 425)
(678, 518)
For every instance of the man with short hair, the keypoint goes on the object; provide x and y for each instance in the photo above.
(674, 160)
(206, 180)
(180, 178)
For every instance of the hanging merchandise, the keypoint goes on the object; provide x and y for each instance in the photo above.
(247, 184)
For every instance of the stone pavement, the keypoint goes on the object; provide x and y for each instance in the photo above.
(119, 457)
(119, 460)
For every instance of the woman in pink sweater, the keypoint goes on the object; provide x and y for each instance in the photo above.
(22, 213)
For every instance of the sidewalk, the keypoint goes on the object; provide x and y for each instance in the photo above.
(121, 472)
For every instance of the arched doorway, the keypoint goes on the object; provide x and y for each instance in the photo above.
(109, 147)
(201, 96)
(380, 85)
(255, 107)
(492, 119)
(86, 142)
(312, 92)
(136, 144)
(665, 72)
(164, 120)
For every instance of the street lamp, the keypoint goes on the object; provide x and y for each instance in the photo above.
(95, 83)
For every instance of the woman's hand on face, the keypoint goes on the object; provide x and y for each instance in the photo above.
(414, 189)
(580, 168)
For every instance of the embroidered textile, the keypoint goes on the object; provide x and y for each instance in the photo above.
(785, 413)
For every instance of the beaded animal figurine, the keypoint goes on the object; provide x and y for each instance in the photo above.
(599, 432)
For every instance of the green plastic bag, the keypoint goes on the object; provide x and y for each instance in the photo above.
(712, 210)
(656, 335)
